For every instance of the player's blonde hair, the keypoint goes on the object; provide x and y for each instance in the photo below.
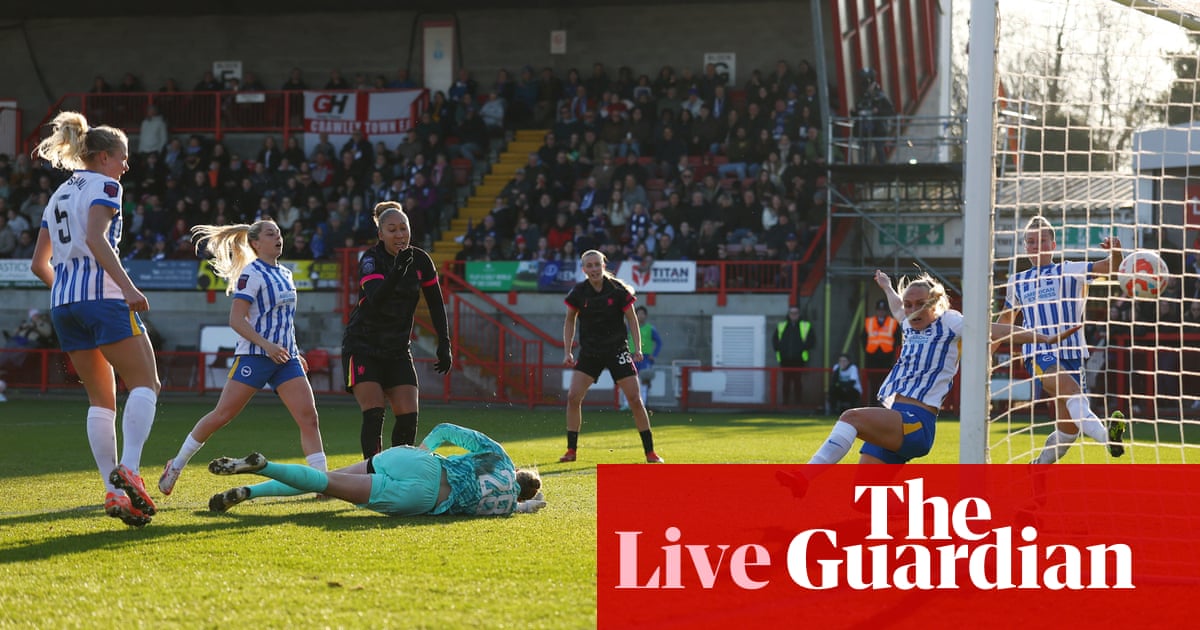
(229, 246)
(607, 274)
(72, 144)
(937, 299)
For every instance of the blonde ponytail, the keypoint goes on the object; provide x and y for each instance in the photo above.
(72, 143)
(229, 246)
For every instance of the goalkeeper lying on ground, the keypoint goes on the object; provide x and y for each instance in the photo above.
(402, 480)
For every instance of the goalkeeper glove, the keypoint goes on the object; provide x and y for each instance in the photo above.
(403, 261)
(444, 360)
(532, 505)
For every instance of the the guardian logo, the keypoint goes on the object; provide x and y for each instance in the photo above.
(974, 555)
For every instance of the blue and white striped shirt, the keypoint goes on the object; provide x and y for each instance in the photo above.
(77, 275)
(1052, 298)
(928, 361)
(272, 297)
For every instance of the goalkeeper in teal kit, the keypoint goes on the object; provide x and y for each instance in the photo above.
(402, 480)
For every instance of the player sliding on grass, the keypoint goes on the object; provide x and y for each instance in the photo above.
(1049, 296)
(912, 393)
(402, 480)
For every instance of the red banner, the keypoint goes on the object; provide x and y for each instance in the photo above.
(721, 546)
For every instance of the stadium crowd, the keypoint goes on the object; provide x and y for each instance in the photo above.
(678, 166)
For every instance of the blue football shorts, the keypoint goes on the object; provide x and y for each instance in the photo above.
(920, 427)
(95, 323)
(257, 370)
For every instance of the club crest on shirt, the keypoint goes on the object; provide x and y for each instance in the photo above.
(111, 189)
(243, 280)
(368, 264)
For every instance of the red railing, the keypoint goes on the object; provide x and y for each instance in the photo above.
(216, 113)
(494, 364)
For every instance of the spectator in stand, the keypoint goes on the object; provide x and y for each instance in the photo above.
(705, 133)
(845, 387)
(639, 223)
(549, 92)
(100, 85)
(424, 210)
(667, 248)
(669, 151)
(692, 102)
(337, 81)
(299, 248)
(8, 238)
(295, 81)
(152, 136)
(463, 85)
(504, 86)
(543, 252)
(493, 113)
(361, 149)
(208, 83)
(524, 98)
(469, 251)
(560, 232)
(521, 250)
(873, 112)
(324, 147)
(490, 250)
(525, 229)
(402, 81)
(292, 150)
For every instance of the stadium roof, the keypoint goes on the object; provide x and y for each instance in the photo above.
(70, 9)
(1066, 191)
(1185, 13)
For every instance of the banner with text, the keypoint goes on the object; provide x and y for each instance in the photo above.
(382, 116)
(308, 275)
(665, 276)
(978, 546)
(503, 275)
(15, 274)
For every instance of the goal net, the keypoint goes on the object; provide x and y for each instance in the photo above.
(1095, 131)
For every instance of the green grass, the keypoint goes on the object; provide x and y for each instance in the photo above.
(306, 563)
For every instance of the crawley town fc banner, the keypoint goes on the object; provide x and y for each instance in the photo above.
(382, 116)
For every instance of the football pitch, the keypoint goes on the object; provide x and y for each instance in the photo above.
(302, 562)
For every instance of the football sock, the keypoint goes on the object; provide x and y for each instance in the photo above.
(405, 431)
(135, 425)
(372, 431)
(1081, 412)
(304, 478)
(102, 436)
(189, 448)
(840, 439)
(273, 488)
(317, 460)
(1057, 445)
(647, 440)
(572, 440)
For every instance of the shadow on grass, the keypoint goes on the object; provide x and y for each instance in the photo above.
(339, 517)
